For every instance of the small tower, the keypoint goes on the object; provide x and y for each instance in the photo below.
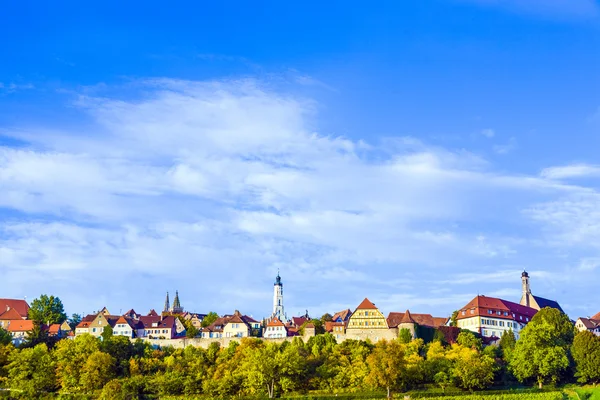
(526, 289)
(177, 309)
(167, 304)
(278, 299)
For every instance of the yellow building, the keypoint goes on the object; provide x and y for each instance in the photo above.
(367, 316)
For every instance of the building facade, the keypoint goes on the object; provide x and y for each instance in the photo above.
(491, 317)
(278, 310)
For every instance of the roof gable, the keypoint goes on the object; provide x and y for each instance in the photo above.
(596, 317)
(20, 325)
(542, 302)
(20, 306)
(10, 314)
(366, 305)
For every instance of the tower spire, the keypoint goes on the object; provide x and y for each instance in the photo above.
(278, 299)
(167, 304)
(177, 309)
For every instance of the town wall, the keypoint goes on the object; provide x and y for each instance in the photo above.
(374, 335)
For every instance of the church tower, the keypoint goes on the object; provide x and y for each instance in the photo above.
(167, 304)
(177, 309)
(278, 299)
(526, 289)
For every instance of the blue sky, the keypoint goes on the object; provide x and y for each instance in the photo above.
(416, 153)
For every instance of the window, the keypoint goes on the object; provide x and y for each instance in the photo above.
(498, 312)
(472, 311)
(506, 313)
(93, 329)
(463, 312)
(490, 312)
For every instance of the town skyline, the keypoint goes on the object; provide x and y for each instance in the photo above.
(416, 153)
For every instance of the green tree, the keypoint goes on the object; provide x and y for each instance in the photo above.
(453, 318)
(326, 318)
(191, 331)
(31, 370)
(586, 354)
(209, 319)
(5, 337)
(71, 356)
(5, 352)
(386, 366)
(542, 352)
(47, 310)
(98, 369)
(405, 335)
(468, 339)
(471, 369)
(507, 344)
(74, 321)
(107, 333)
(37, 335)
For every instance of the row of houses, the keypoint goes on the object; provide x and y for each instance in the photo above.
(488, 316)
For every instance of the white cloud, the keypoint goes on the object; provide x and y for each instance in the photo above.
(571, 171)
(505, 148)
(212, 186)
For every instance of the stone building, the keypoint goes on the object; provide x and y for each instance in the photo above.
(537, 302)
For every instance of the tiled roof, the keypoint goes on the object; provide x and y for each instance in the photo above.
(20, 325)
(89, 318)
(482, 304)
(152, 313)
(83, 324)
(10, 314)
(20, 306)
(329, 325)
(366, 305)
(148, 320)
(589, 323)
(542, 302)
(596, 317)
(54, 329)
(343, 315)
(298, 321)
(395, 318)
(275, 322)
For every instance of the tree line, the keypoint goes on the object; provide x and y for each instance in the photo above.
(549, 351)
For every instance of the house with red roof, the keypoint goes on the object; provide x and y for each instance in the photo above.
(491, 317)
(275, 329)
(20, 306)
(591, 324)
(368, 322)
(410, 321)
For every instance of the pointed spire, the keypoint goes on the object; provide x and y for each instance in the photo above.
(176, 304)
(167, 304)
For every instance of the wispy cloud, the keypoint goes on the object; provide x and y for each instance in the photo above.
(571, 171)
(488, 133)
(193, 181)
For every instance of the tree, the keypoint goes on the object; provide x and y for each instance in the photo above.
(107, 333)
(36, 336)
(507, 344)
(453, 318)
(209, 319)
(32, 371)
(47, 310)
(468, 339)
(543, 349)
(386, 366)
(586, 354)
(5, 337)
(74, 321)
(405, 335)
(471, 369)
(191, 331)
(326, 318)
(98, 369)
(71, 356)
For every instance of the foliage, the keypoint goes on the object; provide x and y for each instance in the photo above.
(5, 337)
(107, 333)
(453, 318)
(543, 350)
(386, 366)
(326, 318)
(507, 344)
(209, 319)
(31, 370)
(471, 368)
(47, 310)
(586, 354)
(74, 321)
(405, 335)
(468, 339)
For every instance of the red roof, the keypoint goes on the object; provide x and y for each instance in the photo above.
(366, 305)
(497, 308)
(84, 324)
(298, 321)
(10, 314)
(20, 325)
(596, 317)
(330, 324)
(54, 329)
(275, 322)
(20, 306)
(395, 318)
(343, 315)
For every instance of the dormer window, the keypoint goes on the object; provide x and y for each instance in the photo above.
(490, 312)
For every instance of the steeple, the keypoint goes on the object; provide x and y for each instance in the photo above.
(278, 299)
(177, 309)
(167, 304)
(526, 289)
